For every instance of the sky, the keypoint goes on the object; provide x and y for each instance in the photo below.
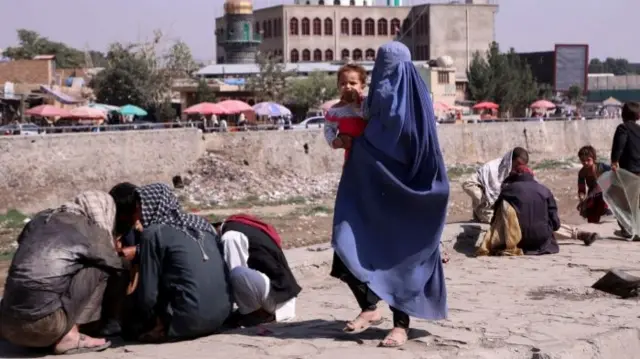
(526, 25)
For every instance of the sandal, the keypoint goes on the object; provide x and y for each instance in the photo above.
(360, 325)
(394, 339)
(82, 348)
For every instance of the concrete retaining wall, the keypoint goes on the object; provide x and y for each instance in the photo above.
(42, 171)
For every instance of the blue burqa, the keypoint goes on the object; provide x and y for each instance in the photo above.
(392, 199)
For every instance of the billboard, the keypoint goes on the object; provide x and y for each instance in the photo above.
(571, 66)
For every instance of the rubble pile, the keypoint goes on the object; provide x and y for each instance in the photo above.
(218, 180)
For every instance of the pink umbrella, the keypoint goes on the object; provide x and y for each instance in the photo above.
(327, 105)
(88, 113)
(235, 106)
(486, 106)
(543, 104)
(206, 108)
(441, 106)
(48, 111)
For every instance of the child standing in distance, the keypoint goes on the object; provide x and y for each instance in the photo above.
(625, 151)
(592, 205)
(345, 120)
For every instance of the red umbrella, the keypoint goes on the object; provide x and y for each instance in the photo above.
(486, 106)
(87, 112)
(206, 108)
(235, 106)
(543, 104)
(441, 106)
(48, 111)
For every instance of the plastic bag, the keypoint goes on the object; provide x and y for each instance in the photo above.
(621, 192)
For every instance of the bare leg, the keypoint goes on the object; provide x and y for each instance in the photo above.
(74, 343)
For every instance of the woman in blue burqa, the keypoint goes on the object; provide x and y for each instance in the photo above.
(392, 202)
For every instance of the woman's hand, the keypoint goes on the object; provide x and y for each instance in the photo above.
(346, 141)
(337, 143)
(129, 253)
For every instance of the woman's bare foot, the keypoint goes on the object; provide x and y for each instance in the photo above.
(75, 343)
(397, 337)
(363, 321)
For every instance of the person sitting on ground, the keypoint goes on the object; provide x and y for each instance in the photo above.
(625, 150)
(484, 186)
(592, 205)
(264, 287)
(59, 274)
(526, 220)
(183, 287)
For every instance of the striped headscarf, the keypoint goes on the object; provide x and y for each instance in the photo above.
(96, 205)
(160, 205)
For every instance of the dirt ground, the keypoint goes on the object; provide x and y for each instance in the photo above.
(310, 223)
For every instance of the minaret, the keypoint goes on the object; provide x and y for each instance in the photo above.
(239, 40)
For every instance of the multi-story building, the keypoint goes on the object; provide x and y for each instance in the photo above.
(321, 32)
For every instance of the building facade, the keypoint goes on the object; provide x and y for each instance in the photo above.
(238, 39)
(315, 33)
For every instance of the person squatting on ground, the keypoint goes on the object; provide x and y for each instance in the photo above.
(591, 205)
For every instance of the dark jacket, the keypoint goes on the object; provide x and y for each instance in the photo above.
(626, 146)
(537, 212)
(52, 248)
(190, 295)
(266, 257)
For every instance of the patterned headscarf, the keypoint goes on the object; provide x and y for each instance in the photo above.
(96, 205)
(160, 205)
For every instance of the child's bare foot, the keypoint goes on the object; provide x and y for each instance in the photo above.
(76, 343)
(363, 321)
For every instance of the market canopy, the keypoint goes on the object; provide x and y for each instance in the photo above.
(86, 112)
(543, 105)
(206, 108)
(48, 111)
(104, 107)
(486, 106)
(132, 110)
(235, 106)
(612, 101)
(271, 109)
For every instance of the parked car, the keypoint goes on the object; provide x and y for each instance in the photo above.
(310, 123)
(20, 129)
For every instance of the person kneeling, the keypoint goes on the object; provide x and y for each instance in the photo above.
(263, 284)
(526, 219)
(59, 274)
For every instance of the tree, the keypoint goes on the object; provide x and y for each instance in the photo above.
(612, 65)
(32, 44)
(270, 84)
(575, 95)
(502, 78)
(179, 61)
(204, 93)
(313, 90)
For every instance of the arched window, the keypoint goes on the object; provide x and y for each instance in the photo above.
(306, 30)
(294, 56)
(264, 29)
(357, 55)
(406, 27)
(344, 27)
(356, 27)
(269, 30)
(328, 55)
(383, 28)
(293, 26)
(345, 54)
(257, 27)
(306, 55)
(369, 27)
(328, 26)
(370, 54)
(317, 55)
(317, 26)
(395, 27)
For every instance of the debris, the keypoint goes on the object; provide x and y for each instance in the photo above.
(618, 282)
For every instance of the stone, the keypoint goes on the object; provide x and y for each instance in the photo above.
(618, 282)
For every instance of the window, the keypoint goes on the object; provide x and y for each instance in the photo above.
(317, 55)
(246, 31)
(328, 55)
(443, 77)
(305, 27)
(293, 26)
(336, 2)
(406, 27)
(265, 30)
(369, 27)
(306, 55)
(257, 27)
(345, 54)
(344, 27)
(269, 29)
(370, 54)
(321, 2)
(356, 27)
(295, 56)
(328, 26)
(383, 27)
(395, 27)
(317, 26)
(276, 27)
(352, 2)
(357, 55)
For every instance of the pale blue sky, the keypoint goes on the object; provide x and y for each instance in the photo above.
(609, 26)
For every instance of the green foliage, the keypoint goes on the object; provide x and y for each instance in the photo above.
(502, 78)
(180, 61)
(614, 66)
(32, 44)
(313, 90)
(270, 84)
(575, 95)
(204, 93)
(165, 112)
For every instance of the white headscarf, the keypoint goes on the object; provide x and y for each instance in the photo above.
(491, 175)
